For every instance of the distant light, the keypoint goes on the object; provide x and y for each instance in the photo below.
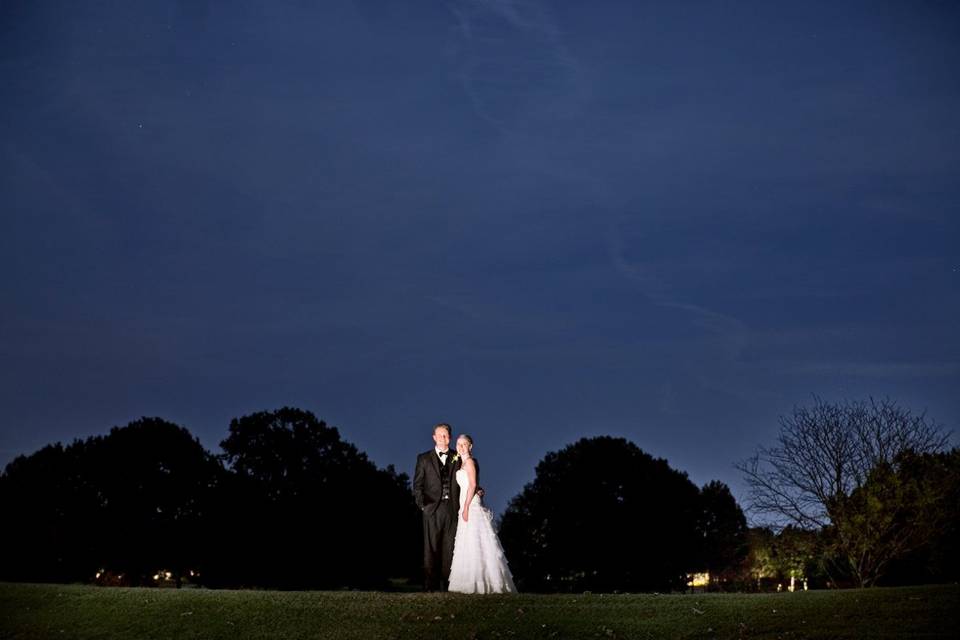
(698, 579)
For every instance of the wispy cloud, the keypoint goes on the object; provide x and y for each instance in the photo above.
(517, 68)
(887, 370)
(731, 331)
(514, 65)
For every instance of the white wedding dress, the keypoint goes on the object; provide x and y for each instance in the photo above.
(479, 565)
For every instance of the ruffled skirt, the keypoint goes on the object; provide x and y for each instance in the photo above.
(479, 564)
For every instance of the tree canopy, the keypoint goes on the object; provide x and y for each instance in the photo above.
(603, 515)
(723, 526)
(316, 512)
(133, 500)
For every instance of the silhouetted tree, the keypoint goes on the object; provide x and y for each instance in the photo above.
(156, 485)
(315, 512)
(941, 556)
(131, 502)
(724, 529)
(603, 515)
(816, 474)
(47, 513)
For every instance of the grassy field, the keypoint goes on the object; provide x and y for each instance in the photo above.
(73, 611)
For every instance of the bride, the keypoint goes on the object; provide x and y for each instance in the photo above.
(479, 565)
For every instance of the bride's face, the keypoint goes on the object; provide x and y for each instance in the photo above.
(463, 448)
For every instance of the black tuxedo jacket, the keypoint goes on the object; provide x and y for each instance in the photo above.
(428, 482)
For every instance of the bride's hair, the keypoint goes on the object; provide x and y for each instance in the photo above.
(465, 437)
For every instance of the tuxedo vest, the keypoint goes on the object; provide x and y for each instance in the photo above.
(445, 478)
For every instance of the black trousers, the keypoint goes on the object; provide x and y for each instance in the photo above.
(439, 532)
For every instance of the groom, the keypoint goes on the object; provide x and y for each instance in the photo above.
(437, 494)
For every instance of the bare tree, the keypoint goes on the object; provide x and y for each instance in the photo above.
(824, 455)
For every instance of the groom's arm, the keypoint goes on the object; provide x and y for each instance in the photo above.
(476, 467)
(418, 477)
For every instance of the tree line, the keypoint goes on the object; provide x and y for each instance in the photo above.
(289, 504)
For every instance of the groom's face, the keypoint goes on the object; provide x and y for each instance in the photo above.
(441, 438)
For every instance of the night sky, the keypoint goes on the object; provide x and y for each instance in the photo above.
(668, 221)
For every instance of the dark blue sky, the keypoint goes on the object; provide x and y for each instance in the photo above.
(670, 221)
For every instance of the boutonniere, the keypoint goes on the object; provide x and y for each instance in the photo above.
(456, 457)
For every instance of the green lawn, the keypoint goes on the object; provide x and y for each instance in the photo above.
(73, 611)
